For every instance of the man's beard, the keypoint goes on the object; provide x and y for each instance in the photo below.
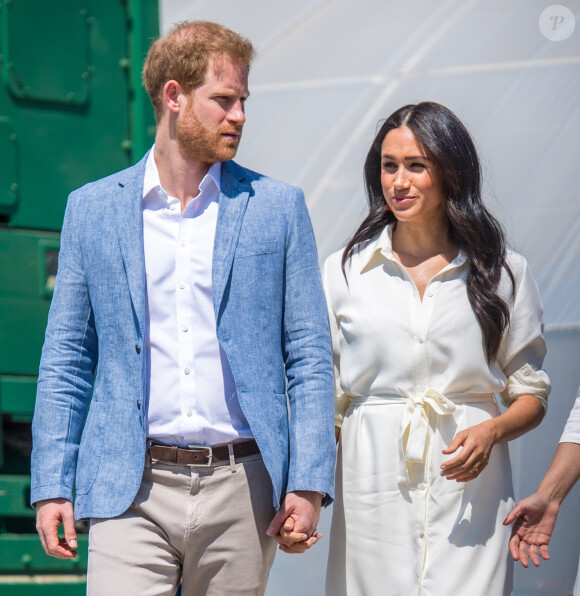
(197, 143)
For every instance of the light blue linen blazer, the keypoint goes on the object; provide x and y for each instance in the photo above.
(89, 427)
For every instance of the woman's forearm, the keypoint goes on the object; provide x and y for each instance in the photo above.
(525, 413)
(562, 474)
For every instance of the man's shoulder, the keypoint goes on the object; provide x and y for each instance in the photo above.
(259, 182)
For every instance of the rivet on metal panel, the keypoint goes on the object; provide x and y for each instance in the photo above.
(127, 145)
(124, 63)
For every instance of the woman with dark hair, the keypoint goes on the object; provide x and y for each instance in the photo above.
(431, 317)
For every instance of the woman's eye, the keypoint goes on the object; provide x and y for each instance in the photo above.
(418, 166)
(389, 166)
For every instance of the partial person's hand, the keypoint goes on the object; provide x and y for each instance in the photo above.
(535, 518)
(476, 443)
(51, 514)
(294, 526)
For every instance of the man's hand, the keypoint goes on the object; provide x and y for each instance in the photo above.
(294, 526)
(535, 518)
(51, 514)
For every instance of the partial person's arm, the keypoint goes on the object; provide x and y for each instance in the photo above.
(65, 384)
(521, 355)
(536, 515)
(308, 360)
(477, 441)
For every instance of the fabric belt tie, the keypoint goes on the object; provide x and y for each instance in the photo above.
(202, 455)
(415, 423)
(414, 437)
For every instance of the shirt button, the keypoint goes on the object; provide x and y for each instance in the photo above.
(186, 371)
(182, 286)
(421, 534)
(182, 243)
(184, 328)
(430, 294)
(420, 339)
(173, 206)
(422, 486)
(189, 412)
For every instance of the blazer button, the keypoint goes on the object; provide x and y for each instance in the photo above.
(138, 349)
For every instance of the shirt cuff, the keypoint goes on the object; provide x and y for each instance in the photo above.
(527, 381)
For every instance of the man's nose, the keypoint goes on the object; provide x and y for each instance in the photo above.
(237, 113)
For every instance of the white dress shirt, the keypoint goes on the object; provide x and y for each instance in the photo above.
(191, 389)
(571, 432)
(410, 374)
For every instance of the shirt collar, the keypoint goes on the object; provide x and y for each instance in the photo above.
(382, 246)
(151, 182)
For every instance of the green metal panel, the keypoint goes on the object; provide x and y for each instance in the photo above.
(66, 70)
(14, 496)
(17, 395)
(72, 110)
(23, 553)
(27, 262)
(35, 585)
(70, 92)
(9, 159)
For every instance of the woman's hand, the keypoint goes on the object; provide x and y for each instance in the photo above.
(476, 443)
(535, 519)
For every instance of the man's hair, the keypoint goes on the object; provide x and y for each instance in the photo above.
(184, 53)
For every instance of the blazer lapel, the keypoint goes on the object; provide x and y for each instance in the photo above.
(130, 235)
(232, 206)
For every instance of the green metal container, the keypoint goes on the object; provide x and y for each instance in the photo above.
(72, 110)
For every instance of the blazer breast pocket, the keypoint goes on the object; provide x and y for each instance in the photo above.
(256, 249)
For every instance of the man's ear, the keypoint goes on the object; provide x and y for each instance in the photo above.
(172, 96)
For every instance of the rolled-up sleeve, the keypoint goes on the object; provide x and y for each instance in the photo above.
(571, 432)
(523, 347)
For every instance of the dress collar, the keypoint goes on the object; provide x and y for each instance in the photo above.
(380, 248)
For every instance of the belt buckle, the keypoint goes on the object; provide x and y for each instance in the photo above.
(209, 450)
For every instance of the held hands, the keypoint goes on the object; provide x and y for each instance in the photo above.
(51, 514)
(535, 518)
(476, 443)
(294, 526)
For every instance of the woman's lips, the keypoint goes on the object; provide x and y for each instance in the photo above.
(402, 199)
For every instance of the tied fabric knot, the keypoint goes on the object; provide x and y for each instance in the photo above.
(415, 428)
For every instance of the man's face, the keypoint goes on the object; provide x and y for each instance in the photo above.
(209, 127)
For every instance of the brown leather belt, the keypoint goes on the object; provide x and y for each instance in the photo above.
(201, 455)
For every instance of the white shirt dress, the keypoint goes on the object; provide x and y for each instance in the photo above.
(409, 375)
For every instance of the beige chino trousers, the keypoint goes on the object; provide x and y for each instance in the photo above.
(205, 527)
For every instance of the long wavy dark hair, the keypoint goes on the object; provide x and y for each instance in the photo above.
(471, 227)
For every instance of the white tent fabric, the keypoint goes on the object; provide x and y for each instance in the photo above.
(329, 70)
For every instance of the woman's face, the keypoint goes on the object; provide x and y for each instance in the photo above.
(412, 185)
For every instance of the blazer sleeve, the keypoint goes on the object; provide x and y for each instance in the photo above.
(308, 359)
(67, 367)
